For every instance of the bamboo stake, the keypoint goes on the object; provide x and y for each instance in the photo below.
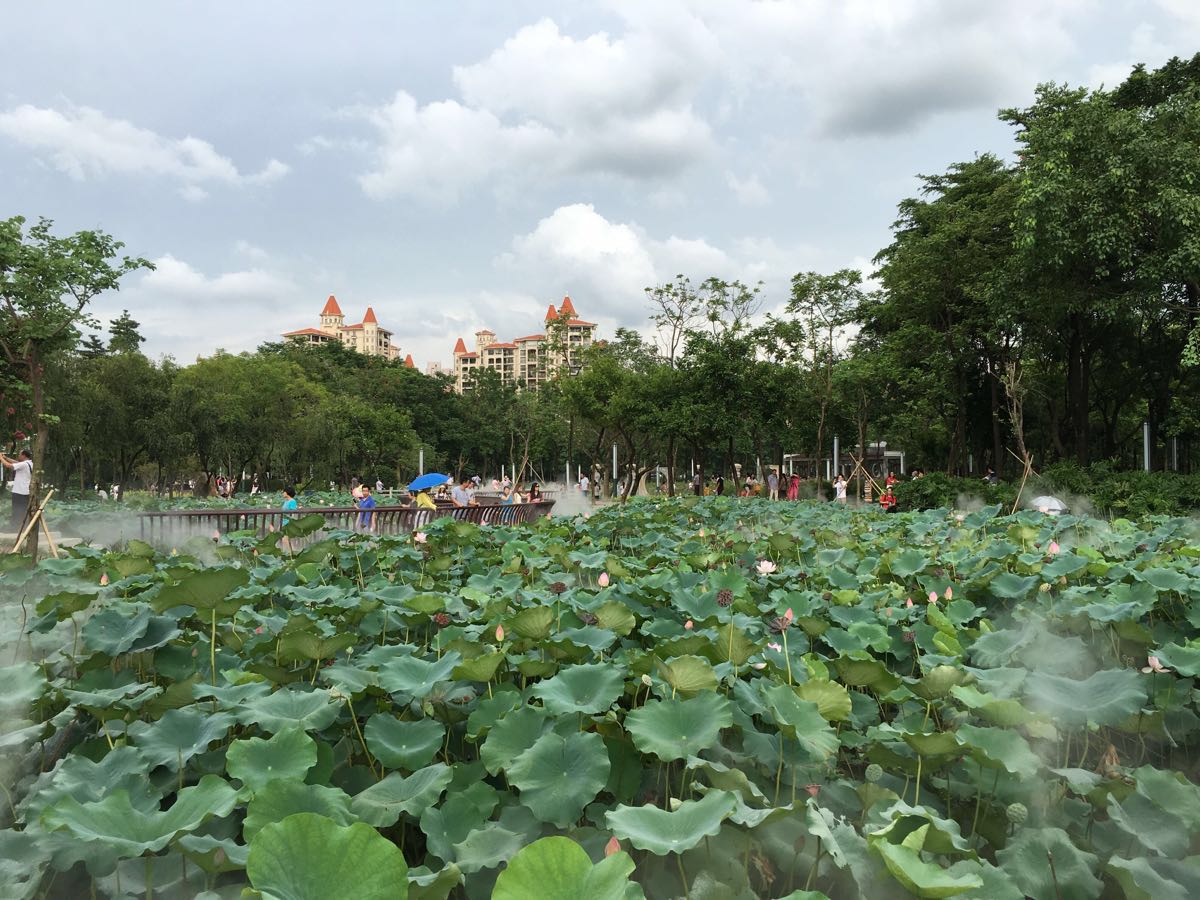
(31, 522)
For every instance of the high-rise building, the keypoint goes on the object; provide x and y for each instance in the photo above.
(368, 336)
(532, 359)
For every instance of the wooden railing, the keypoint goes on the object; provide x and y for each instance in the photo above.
(180, 524)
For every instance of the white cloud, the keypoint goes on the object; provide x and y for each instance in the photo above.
(82, 142)
(175, 278)
(748, 191)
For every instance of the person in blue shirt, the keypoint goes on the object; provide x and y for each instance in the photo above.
(366, 503)
(289, 502)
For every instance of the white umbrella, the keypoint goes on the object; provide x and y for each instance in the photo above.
(1048, 504)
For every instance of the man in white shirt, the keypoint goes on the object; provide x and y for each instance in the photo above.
(22, 469)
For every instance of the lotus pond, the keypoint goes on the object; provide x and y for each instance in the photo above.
(714, 699)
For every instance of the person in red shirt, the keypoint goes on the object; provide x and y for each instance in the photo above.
(890, 481)
(887, 500)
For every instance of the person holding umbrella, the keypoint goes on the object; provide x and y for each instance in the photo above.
(421, 485)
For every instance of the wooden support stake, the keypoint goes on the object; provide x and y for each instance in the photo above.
(31, 522)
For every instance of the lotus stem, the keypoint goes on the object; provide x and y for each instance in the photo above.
(787, 658)
(917, 786)
(212, 651)
(687, 891)
(149, 878)
(1053, 875)
(816, 864)
(362, 740)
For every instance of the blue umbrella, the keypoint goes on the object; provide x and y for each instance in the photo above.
(428, 480)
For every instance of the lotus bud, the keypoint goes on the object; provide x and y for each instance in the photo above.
(701, 532)
(499, 633)
(1053, 548)
(688, 625)
(933, 598)
(789, 615)
(888, 612)
(760, 665)
(874, 772)
(1016, 813)
(675, 803)
(419, 537)
(813, 789)
(647, 680)
(908, 603)
(613, 846)
(603, 580)
(949, 593)
(103, 579)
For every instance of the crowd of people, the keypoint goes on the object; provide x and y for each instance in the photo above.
(784, 486)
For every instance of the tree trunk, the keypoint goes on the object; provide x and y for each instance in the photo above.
(671, 466)
(42, 433)
(998, 453)
(1077, 388)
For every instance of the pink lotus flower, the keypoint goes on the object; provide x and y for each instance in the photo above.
(908, 602)
(933, 598)
(688, 625)
(888, 612)
(103, 579)
(949, 593)
(701, 532)
(1154, 666)
(613, 846)
(1053, 548)
(258, 630)
(499, 633)
(419, 537)
(813, 789)
(789, 615)
(766, 567)
(775, 647)
(1043, 509)
(603, 580)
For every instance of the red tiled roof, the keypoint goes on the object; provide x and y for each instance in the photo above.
(530, 337)
(370, 317)
(500, 347)
(307, 331)
(485, 331)
(579, 322)
(551, 313)
(408, 362)
(348, 327)
(460, 347)
(468, 355)
(331, 307)
(567, 308)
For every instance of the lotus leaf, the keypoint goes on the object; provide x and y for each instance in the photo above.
(289, 753)
(558, 776)
(587, 689)
(676, 729)
(309, 857)
(285, 796)
(557, 868)
(689, 674)
(416, 676)
(381, 804)
(1105, 698)
(922, 878)
(403, 745)
(1045, 863)
(661, 832)
(178, 736)
(207, 589)
(309, 710)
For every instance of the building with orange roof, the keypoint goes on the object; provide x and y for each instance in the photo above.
(532, 359)
(367, 337)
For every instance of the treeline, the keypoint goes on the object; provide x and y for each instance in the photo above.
(1039, 308)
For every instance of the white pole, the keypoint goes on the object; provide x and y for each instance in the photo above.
(568, 472)
(837, 455)
(1146, 446)
(1174, 454)
(614, 464)
(421, 461)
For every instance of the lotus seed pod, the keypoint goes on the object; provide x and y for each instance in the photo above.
(874, 772)
(1044, 587)
(1017, 813)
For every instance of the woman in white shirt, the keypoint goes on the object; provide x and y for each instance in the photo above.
(22, 469)
(839, 489)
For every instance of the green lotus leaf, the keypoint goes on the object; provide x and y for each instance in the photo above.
(1008, 586)
(381, 804)
(909, 563)
(557, 868)
(615, 616)
(661, 832)
(924, 879)
(933, 743)
(63, 566)
(1153, 878)
(20, 686)
(689, 674)
(676, 729)
(178, 736)
(998, 747)
(481, 668)
(534, 622)
(1045, 863)
(1171, 791)
(289, 753)
(309, 857)
(1158, 830)
(587, 689)
(1006, 713)
(426, 885)
(1183, 659)
(127, 831)
(303, 527)
(298, 646)
(113, 631)
(871, 673)
(1106, 698)
(207, 589)
(943, 836)
(558, 776)
(487, 847)
(938, 682)
(801, 720)
(732, 645)
(833, 700)
(459, 814)
(416, 676)
(212, 854)
(350, 680)
(285, 796)
(1164, 579)
(287, 708)
(403, 745)
(491, 710)
(512, 736)
(64, 604)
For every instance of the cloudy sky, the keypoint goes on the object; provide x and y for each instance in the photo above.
(463, 165)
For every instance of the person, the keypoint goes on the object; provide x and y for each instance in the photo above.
(793, 491)
(424, 501)
(887, 500)
(22, 478)
(102, 493)
(773, 484)
(289, 502)
(839, 489)
(583, 485)
(890, 481)
(918, 473)
(990, 476)
(366, 518)
(698, 484)
(535, 493)
(379, 485)
(460, 496)
(506, 483)
(720, 485)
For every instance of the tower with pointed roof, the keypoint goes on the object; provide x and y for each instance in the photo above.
(530, 360)
(367, 337)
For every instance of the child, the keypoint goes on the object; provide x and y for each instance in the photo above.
(366, 503)
(887, 500)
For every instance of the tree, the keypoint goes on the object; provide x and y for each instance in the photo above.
(123, 334)
(46, 284)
